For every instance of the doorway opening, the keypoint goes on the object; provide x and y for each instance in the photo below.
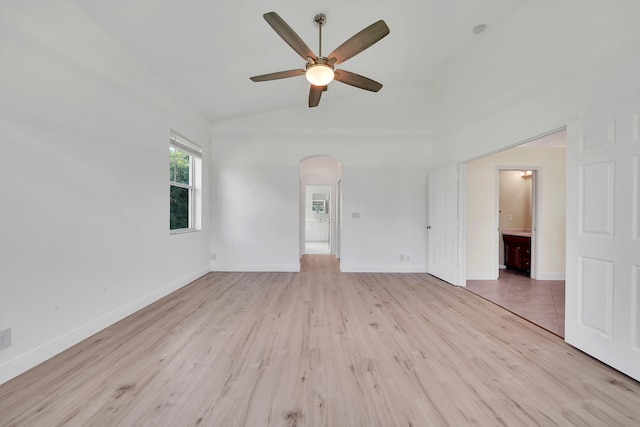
(320, 205)
(517, 203)
(514, 261)
(317, 219)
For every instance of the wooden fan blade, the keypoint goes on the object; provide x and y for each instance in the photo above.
(357, 80)
(314, 95)
(278, 75)
(288, 35)
(359, 42)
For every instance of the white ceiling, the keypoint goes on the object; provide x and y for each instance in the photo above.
(207, 49)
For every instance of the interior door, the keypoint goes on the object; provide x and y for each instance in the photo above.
(603, 237)
(337, 220)
(443, 223)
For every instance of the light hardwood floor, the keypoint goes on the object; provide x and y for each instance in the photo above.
(321, 348)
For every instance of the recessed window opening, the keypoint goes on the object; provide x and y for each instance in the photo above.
(185, 182)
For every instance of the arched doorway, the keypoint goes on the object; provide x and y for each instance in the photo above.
(320, 201)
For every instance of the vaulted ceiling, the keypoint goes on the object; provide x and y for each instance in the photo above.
(207, 50)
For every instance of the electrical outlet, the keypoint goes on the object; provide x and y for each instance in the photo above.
(401, 258)
(5, 339)
(213, 256)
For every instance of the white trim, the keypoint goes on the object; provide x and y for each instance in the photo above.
(184, 230)
(542, 276)
(183, 143)
(356, 268)
(481, 276)
(301, 217)
(462, 224)
(23, 363)
(516, 144)
(536, 223)
(257, 268)
(551, 276)
(180, 185)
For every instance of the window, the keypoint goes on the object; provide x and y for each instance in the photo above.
(185, 162)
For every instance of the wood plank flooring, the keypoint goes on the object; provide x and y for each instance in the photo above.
(321, 348)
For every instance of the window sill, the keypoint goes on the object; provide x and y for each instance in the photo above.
(184, 230)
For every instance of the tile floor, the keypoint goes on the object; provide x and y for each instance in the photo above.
(539, 301)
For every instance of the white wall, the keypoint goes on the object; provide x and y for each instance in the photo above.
(256, 218)
(549, 63)
(383, 179)
(392, 218)
(84, 131)
(482, 235)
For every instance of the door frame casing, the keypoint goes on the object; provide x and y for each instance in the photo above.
(462, 224)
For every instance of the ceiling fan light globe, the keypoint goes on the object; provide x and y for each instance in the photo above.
(319, 74)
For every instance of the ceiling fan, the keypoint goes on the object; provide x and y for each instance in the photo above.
(320, 69)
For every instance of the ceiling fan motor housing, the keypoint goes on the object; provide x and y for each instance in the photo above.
(320, 19)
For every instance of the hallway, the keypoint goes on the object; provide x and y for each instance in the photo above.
(538, 301)
(317, 248)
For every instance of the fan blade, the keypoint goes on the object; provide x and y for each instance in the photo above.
(359, 42)
(288, 35)
(357, 80)
(278, 75)
(314, 95)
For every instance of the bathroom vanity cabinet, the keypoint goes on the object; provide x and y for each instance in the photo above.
(517, 252)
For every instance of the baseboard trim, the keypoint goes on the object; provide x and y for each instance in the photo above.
(490, 276)
(355, 268)
(24, 362)
(294, 268)
(266, 268)
(551, 276)
(481, 276)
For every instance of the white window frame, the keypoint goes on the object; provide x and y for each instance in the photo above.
(181, 143)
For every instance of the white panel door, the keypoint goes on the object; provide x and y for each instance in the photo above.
(443, 224)
(603, 237)
(337, 222)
